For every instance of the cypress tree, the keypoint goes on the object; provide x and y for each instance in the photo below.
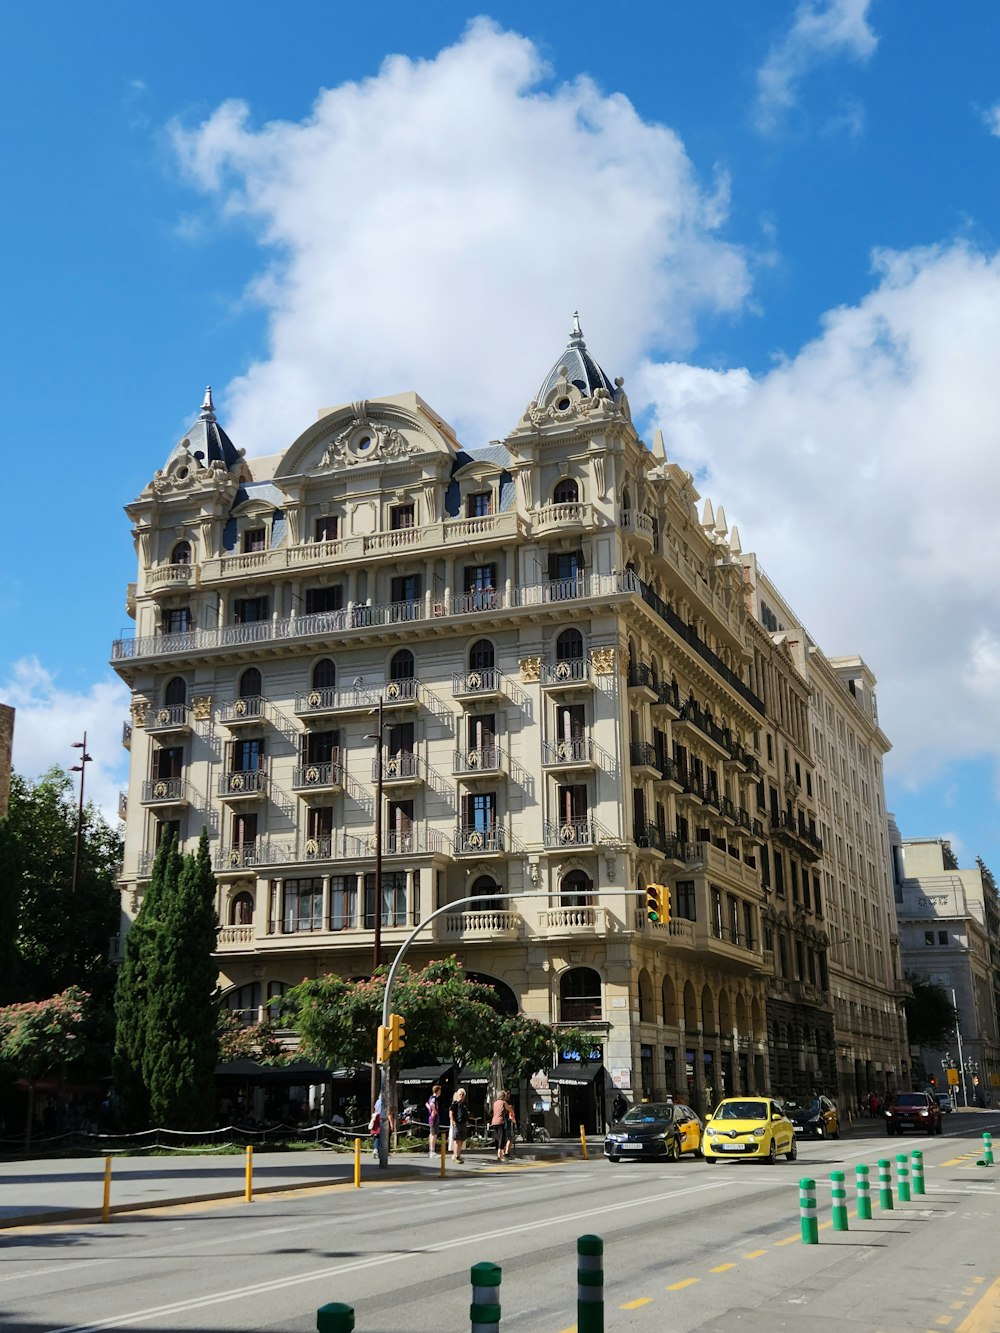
(182, 1046)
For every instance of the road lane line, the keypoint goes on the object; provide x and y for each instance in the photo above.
(755, 1254)
(722, 1268)
(685, 1282)
(634, 1305)
(985, 1314)
(788, 1240)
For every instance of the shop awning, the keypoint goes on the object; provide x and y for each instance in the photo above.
(474, 1078)
(574, 1074)
(298, 1072)
(428, 1074)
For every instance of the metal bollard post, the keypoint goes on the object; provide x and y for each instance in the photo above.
(987, 1150)
(583, 1142)
(917, 1171)
(902, 1178)
(864, 1189)
(357, 1163)
(106, 1205)
(335, 1318)
(249, 1174)
(444, 1155)
(484, 1312)
(839, 1193)
(885, 1184)
(807, 1211)
(590, 1284)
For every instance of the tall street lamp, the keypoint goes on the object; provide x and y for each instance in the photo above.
(80, 768)
(377, 941)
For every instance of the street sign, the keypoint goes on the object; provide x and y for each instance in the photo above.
(952, 1077)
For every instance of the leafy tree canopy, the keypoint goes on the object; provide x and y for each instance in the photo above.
(930, 1015)
(41, 1035)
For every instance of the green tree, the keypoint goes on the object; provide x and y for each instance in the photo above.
(40, 1036)
(930, 1015)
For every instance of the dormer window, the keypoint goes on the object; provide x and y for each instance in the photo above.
(181, 554)
(479, 504)
(327, 528)
(254, 539)
(402, 516)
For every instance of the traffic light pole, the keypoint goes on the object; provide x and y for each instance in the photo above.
(386, 1082)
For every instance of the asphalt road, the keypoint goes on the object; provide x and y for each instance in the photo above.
(687, 1247)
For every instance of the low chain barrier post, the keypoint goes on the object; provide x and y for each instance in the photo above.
(917, 1171)
(484, 1312)
(590, 1285)
(106, 1205)
(249, 1173)
(583, 1143)
(864, 1188)
(838, 1190)
(902, 1177)
(444, 1154)
(987, 1151)
(357, 1163)
(885, 1184)
(807, 1211)
(335, 1318)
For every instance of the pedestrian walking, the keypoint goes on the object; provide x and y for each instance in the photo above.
(618, 1107)
(458, 1118)
(510, 1128)
(433, 1117)
(498, 1123)
(874, 1104)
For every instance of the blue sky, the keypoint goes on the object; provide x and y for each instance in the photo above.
(779, 221)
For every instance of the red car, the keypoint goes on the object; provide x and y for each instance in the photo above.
(913, 1110)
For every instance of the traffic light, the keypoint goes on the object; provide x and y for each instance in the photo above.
(397, 1033)
(654, 905)
(382, 1045)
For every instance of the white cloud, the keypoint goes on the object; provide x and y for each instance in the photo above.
(991, 118)
(435, 226)
(865, 473)
(49, 718)
(821, 30)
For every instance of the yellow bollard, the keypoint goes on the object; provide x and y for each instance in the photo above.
(444, 1153)
(106, 1206)
(583, 1142)
(357, 1163)
(249, 1192)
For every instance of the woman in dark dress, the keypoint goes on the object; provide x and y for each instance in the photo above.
(459, 1119)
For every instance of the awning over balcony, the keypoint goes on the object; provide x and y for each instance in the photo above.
(428, 1074)
(575, 1074)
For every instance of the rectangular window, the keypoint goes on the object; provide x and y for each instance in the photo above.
(176, 620)
(324, 599)
(942, 937)
(399, 827)
(749, 934)
(765, 867)
(565, 574)
(770, 746)
(481, 736)
(393, 899)
(716, 906)
(479, 505)
(303, 905)
(327, 528)
(318, 747)
(168, 762)
(247, 755)
(646, 1070)
(571, 804)
(254, 539)
(244, 828)
(682, 900)
(479, 811)
(406, 588)
(480, 583)
(779, 874)
(319, 824)
(402, 516)
(167, 828)
(250, 610)
(343, 901)
(400, 739)
(734, 919)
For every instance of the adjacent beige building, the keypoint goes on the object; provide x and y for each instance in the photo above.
(580, 697)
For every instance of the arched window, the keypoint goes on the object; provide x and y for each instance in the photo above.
(250, 684)
(576, 889)
(504, 1001)
(482, 656)
(484, 887)
(569, 646)
(244, 1003)
(241, 910)
(324, 675)
(401, 666)
(181, 554)
(566, 492)
(176, 692)
(579, 995)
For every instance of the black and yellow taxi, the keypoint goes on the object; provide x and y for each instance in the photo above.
(815, 1117)
(654, 1129)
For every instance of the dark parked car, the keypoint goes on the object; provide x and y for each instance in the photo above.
(913, 1110)
(654, 1129)
(943, 1100)
(817, 1116)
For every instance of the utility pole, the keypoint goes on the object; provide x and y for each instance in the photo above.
(377, 940)
(958, 1034)
(80, 768)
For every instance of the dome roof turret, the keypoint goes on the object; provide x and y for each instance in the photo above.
(580, 369)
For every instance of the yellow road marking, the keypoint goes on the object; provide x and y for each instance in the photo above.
(722, 1268)
(955, 1161)
(957, 1305)
(789, 1240)
(979, 1281)
(634, 1305)
(983, 1316)
(943, 1320)
(687, 1282)
(754, 1254)
(825, 1226)
(571, 1329)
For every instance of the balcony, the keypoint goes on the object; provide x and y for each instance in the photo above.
(399, 770)
(572, 673)
(242, 712)
(485, 761)
(643, 759)
(691, 786)
(166, 791)
(234, 937)
(166, 578)
(636, 524)
(719, 864)
(796, 833)
(127, 735)
(651, 837)
(483, 842)
(250, 855)
(589, 920)
(401, 693)
(171, 718)
(574, 517)
(733, 946)
(123, 805)
(243, 785)
(641, 682)
(325, 777)
(667, 696)
(483, 684)
(668, 774)
(575, 833)
(577, 752)
(321, 703)
(694, 716)
(482, 925)
(741, 756)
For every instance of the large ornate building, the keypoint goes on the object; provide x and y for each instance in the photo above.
(580, 695)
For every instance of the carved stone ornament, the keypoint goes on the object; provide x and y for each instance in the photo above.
(201, 708)
(140, 709)
(364, 442)
(531, 670)
(603, 661)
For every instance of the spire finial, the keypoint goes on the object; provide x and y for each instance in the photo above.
(208, 407)
(576, 333)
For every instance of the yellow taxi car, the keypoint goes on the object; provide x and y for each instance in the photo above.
(654, 1129)
(749, 1127)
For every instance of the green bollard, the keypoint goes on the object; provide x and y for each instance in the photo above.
(335, 1318)
(902, 1178)
(839, 1194)
(885, 1184)
(807, 1211)
(864, 1188)
(590, 1284)
(917, 1171)
(484, 1312)
(987, 1150)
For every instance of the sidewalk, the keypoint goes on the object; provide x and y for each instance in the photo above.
(72, 1189)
